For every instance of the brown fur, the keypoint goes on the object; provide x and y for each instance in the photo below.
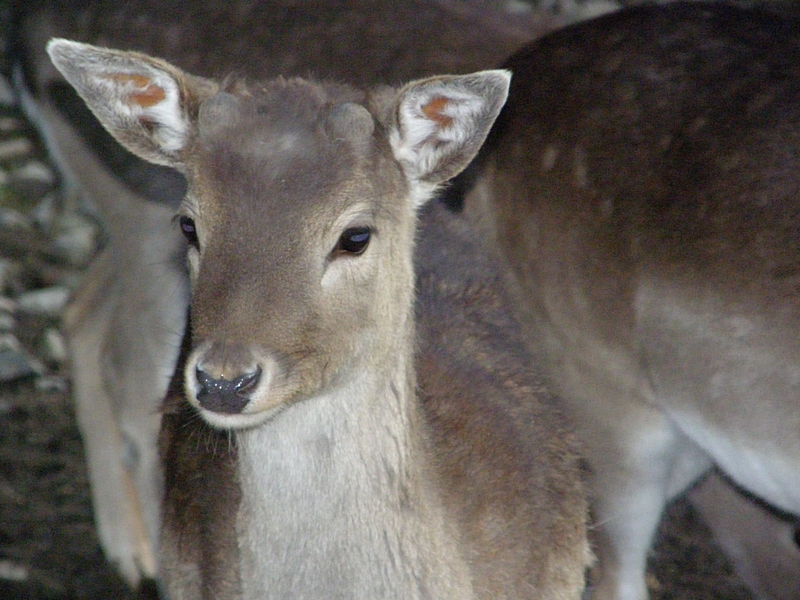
(399, 40)
(135, 24)
(642, 183)
(490, 443)
(343, 484)
(200, 488)
(493, 441)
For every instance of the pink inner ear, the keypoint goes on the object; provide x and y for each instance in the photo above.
(147, 97)
(434, 111)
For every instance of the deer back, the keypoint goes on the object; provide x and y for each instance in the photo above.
(642, 184)
(648, 204)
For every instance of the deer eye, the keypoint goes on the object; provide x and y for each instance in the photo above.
(189, 231)
(353, 241)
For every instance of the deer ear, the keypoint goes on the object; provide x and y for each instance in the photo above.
(441, 123)
(148, 105)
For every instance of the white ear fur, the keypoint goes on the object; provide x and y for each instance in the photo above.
(136, 97)
(441, 124)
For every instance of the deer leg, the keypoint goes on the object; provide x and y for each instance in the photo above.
(760, 543)
(655, 462)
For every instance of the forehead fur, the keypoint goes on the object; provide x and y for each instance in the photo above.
(278, 105)
(271, 146)
(271, 126)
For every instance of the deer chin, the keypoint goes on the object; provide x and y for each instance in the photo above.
(228, 421)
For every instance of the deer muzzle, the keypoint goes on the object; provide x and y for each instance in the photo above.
(228, 396)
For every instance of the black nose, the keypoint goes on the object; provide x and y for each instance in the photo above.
(223, 395)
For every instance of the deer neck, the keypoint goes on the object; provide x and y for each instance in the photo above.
(337, 500)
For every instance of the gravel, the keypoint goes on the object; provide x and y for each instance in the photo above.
(48, 544)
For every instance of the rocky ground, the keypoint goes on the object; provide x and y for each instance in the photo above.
(48, 545)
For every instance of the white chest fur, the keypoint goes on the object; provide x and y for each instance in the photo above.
(332, 507)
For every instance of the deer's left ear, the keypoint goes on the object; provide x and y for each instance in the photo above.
(148, 105)
(439, 124)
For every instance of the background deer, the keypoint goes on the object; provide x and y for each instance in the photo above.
(642, 185)
(301, 216)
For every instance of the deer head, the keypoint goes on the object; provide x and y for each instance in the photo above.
(300, 214)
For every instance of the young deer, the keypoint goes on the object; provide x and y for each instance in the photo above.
(643, 184)
(125, 322)
(319, 469)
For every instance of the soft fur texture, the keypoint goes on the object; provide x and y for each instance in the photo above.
(339, 482)
(642, 183)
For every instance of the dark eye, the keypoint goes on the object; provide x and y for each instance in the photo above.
(353, 241)
(189, 231)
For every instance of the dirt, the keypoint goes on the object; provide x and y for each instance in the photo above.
(46, 527)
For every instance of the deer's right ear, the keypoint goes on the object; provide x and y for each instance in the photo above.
(148, 105)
